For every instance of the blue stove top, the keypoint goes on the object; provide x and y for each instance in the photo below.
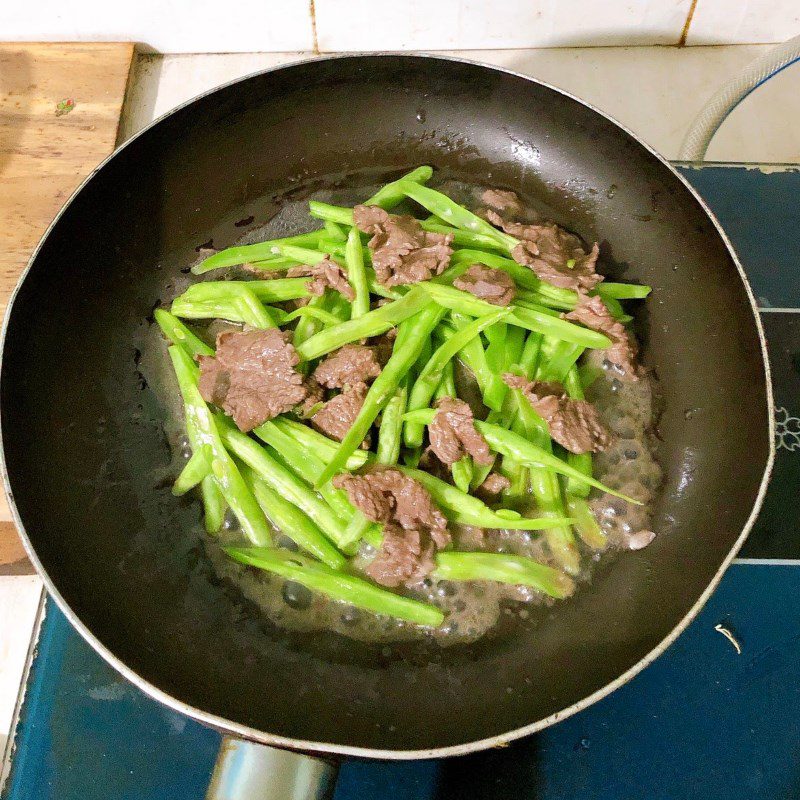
(703, 721)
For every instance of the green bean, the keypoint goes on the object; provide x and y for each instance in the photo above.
(285, 482)
(447, 385)
(335, 231)
(495, 356)
(373, 323)
(337, 585)
(325, 211)
(585, 523)
(267, 291)
(202, 430)
(360, 528)
(504, 569)
(305, 465)
(580, 461)
(279, 290)
(197, 302)
(248, 253)
(292, 522)
(388, 196)
(463, 238)
(304, 255)
(197, 468)
(622, 291)
(454, 214)
(325, 317)
(544, 483)
(317, 443)
(472, 355)
(510, 443)
(529, 359)
(356, 274)
(562, 358)
(180, 335)
(389, 433)
(462, 473)
(464, 509)
(214, 503)
(419, 328)
(538, 320)
(307, 327)
(425, 385)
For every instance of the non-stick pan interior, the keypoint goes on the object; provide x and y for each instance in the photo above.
(85, 450)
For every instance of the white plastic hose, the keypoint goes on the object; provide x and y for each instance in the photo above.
(713, 114)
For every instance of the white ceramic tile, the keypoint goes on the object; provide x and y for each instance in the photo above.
(159, 83)
(19, 604)
(654, 91)
(733, 21)
(172, 26)
(347, 25)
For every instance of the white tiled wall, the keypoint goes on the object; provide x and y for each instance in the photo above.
(211, 26)
(730, 21)
(476, 24)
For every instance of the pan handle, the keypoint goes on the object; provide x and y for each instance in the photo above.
(250, 771)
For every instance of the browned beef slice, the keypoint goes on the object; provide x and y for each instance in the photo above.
(555, 255)
(502, 200)
(494, 483)
(353, 363)
(492, 285)
(453, 433)
(574, 424)
(592, 312)
(337, 416)
(402, 558)
(326, 275)
(402, 252)
(388, 495)
(413, 527)
(253, 376)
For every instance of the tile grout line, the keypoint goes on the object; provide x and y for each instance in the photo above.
(687, 24)
(314, 38)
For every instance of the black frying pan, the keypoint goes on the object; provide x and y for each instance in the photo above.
(83, 439)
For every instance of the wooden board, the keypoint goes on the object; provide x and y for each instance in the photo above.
(44, 156)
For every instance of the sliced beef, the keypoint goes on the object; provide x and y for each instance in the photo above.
(592, 312)
(326, 275)
(353, 363)
(453, 435)
(386, 494)
(503, 201)
(574, 424)
(494, 484)
(402, 252)
(414, 528)
(337, 416)
(253, 376)
(554, 255)
(492, 285)
(402, 557)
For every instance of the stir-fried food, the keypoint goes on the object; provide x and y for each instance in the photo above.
(389, 388)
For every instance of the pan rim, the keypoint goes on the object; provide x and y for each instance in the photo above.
(246, 732)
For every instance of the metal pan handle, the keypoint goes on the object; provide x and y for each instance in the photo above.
(249, 771)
